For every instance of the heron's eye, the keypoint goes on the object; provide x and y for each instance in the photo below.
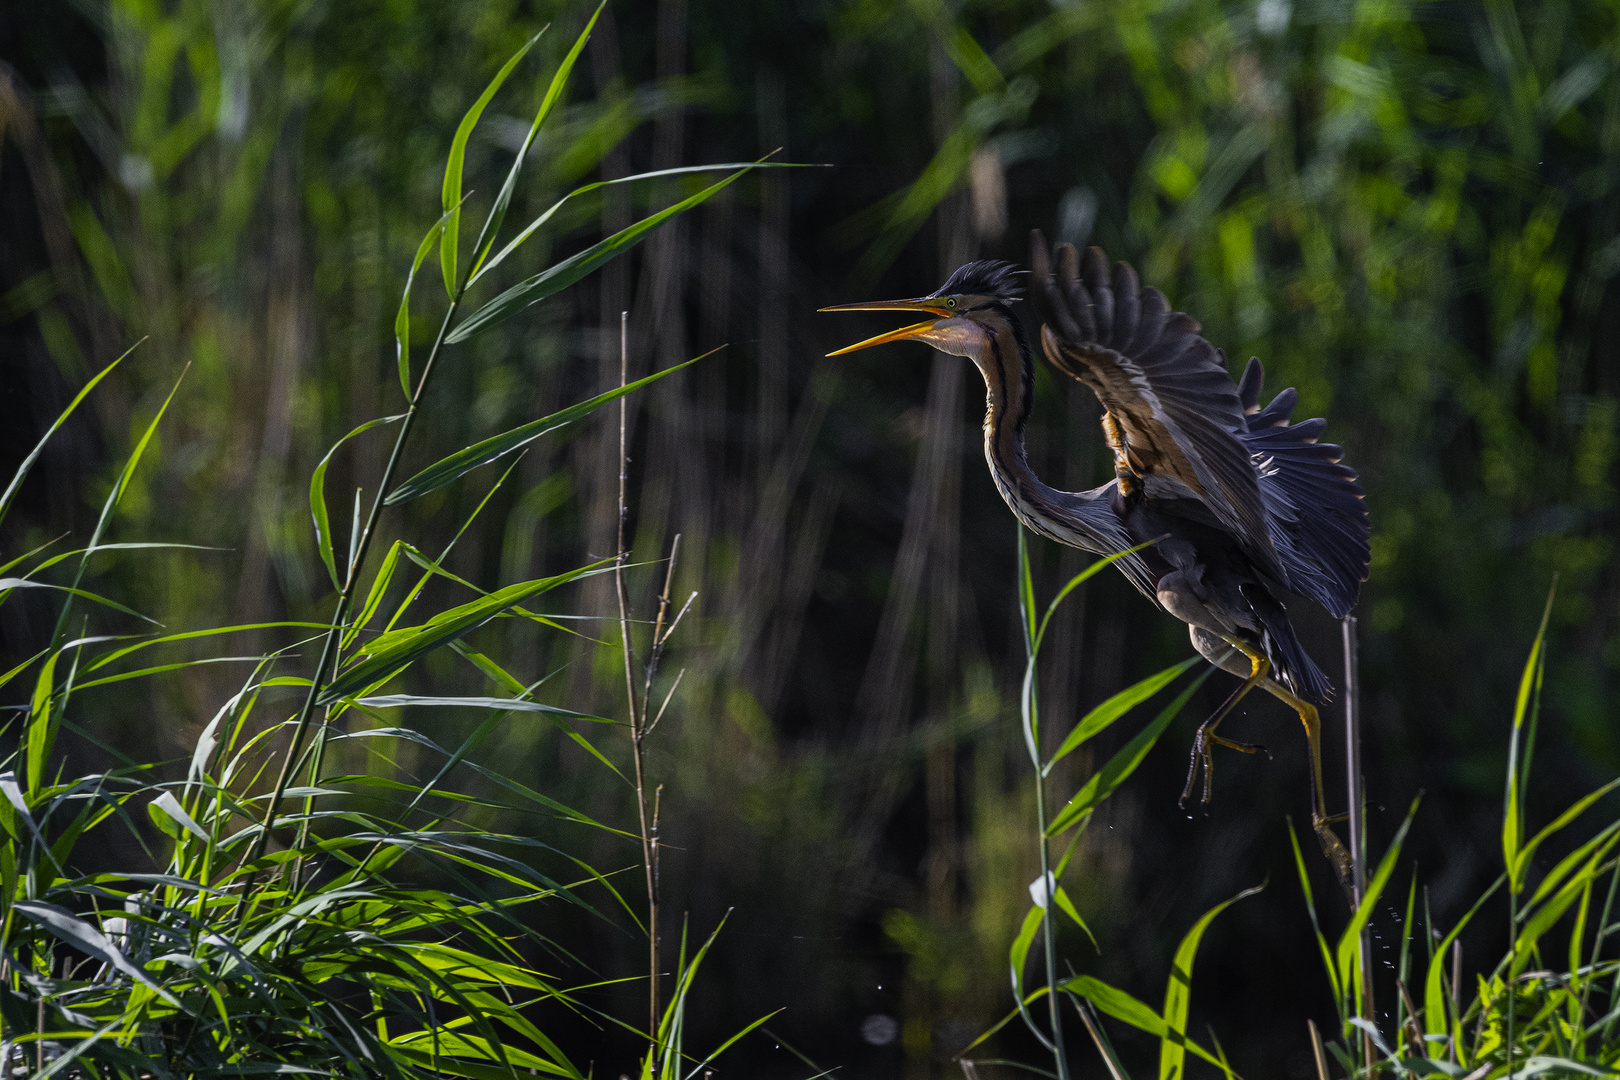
(950, 302)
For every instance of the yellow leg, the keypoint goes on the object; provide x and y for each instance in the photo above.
(1259, 666)
(1336, 852)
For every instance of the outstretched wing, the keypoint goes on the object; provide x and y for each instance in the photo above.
(1166, 389)
(1314, 507)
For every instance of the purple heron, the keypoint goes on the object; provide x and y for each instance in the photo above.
(1231, 499)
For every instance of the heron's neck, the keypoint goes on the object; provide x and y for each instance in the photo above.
(1009, 384)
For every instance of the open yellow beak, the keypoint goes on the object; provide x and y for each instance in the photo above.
(931, 306)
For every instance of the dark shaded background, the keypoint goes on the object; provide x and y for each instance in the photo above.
(1407, 210)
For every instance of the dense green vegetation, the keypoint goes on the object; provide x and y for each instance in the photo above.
(1407, 210)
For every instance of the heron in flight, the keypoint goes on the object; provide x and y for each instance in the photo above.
(1230, 498)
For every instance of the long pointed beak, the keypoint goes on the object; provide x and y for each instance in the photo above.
(932, 307)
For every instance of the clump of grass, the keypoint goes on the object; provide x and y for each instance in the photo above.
(1524, 1017)
(1546, 1007)
(264, 914)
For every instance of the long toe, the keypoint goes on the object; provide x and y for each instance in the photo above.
(1241, 747)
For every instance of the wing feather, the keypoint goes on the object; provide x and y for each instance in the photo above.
(1168, 391)
(1314, 506)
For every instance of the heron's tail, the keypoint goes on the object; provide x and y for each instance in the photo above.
(1314, 508)
(1291, 665)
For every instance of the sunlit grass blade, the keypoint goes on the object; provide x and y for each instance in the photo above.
(1178, 992)
(402, 316)
(505, 679)
(21, 474)
(497, 213)
(1521, 864)
(558, 277)
(1574, 887)
(132, 546)
(1555, 877)
(1348, 952)
(190, 635)
(1310, 909)
(114, 497)
(397, 649)
(1103, 783)
(450, 238)
(394, 701)
(317, 498)
(495, 447)
(1066, 905)
(596, 185)
(40, 734)
(1098, 719)
(1513, 808)
(1017, 959)
(435, 568)
(1074, 583)
(1133, 1011)
(8, 584)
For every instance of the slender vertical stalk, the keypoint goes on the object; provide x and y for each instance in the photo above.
(1060, 1058)
(1456, 995)
(334, 634)
(1356, 795)
(1507, 982)
(638, 715)
(1597, 955)
(1032, 738)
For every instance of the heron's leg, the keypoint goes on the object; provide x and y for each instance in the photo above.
(1335, 851)
(1259, 666)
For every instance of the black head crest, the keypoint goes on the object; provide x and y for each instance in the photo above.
(985, 277)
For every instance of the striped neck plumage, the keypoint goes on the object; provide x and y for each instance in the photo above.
(1002, 356)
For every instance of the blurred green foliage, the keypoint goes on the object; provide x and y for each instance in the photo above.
(1407, 210)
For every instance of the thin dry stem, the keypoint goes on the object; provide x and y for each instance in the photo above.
(659, 636)
(638, 731)
(1097, 1037)
(660, 715)
(1318, 1050)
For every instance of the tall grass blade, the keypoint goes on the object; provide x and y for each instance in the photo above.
(558, 277)
(39, 448)
(1119, 767)
(497, 213)
(1316, 926)
(584, 189)
(1098, 719)
(402, 316)
(1133, 1011)
(1178, 992)
(114, 497)
(450, 237)
(317, 498)
(1348, 952)
(463, 461)
(392, 652)
(1513, 810)
(81, 935)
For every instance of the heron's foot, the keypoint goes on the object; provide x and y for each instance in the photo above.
(1202, 757)
(1336, 852)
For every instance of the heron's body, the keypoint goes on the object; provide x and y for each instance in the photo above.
(1229, 498)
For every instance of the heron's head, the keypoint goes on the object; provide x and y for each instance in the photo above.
(966, 315)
